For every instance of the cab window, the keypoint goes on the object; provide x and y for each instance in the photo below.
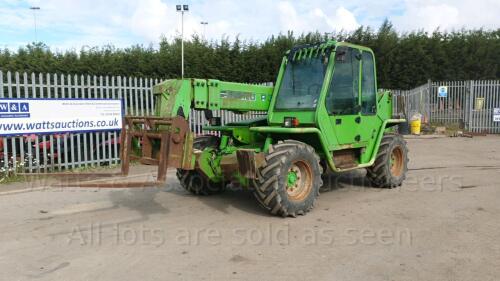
(368, 88)
(343, 95)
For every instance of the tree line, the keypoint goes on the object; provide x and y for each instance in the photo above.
(404, 60)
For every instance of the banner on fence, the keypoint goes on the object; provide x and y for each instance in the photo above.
(44, 116)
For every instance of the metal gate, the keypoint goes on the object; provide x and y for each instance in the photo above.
(484, 101)
(469, 105)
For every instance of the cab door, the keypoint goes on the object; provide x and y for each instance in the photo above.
(343, 97)
(370, 121)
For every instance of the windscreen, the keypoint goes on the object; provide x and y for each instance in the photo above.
(301, 84)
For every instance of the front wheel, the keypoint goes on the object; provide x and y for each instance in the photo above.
(289, 182)
(192, 180)
(391, 164)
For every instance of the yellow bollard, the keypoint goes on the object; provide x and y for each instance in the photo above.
(415, 126)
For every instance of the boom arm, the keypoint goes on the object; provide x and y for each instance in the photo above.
(177, 97)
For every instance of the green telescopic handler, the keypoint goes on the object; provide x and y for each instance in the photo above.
(324, 112)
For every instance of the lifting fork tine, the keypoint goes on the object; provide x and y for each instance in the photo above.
(126, 149)
(164, 155)
(172, 134)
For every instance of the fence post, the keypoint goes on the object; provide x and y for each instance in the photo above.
(466, 108)
(429, 99)
(471, 105)
(122, 97)
(4, 140)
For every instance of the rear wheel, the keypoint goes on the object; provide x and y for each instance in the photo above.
(194, 181)
(289, 182)
(391, 163)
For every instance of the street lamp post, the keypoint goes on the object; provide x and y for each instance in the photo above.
(182, 9)
(204, 24)
(34, 9)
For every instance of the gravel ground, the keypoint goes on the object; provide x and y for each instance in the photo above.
(442, 224)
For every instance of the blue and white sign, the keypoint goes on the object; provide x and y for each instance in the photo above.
(14, 110)
(44, 116)
(443, 91)
(496, 114)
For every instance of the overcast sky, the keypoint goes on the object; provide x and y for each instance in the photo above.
(67, 24)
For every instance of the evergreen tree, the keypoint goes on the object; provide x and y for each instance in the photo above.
(404, 60)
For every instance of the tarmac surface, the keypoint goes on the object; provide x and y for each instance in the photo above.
(442, 224)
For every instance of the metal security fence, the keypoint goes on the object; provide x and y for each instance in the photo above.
(453, 108)
(197, 119)
(35, 153)
(470, 105)
(406, 103)
(484, 101)
(58, 151)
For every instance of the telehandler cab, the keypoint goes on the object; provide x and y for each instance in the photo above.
(324, 112)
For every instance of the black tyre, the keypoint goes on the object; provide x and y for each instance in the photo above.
(193, 180)
(202, 142)
(391, 164)
(289, 182)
